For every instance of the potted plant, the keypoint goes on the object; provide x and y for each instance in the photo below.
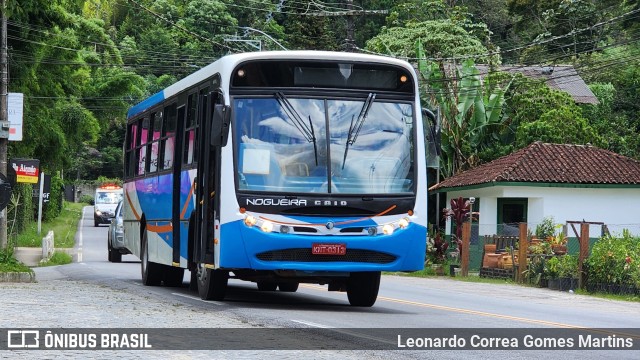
(568, 272)
(545, 229)
(551, 272)
(459, 213)
(558, 242)
(436, 252)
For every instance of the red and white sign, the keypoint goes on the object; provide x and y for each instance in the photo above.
(27, 170)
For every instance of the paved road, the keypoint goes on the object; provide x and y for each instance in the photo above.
(95, 293)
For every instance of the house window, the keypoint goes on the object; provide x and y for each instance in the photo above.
(511, 212)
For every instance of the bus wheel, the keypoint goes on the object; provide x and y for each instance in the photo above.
(212, 284)
(151, 272)
(267, 286)
(288, 287)
(362, 288)
(173, 276)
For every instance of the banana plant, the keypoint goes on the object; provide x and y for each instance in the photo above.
(472, 112)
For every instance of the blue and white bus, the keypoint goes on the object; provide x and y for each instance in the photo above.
(279, 168)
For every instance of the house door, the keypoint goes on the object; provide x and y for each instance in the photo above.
(511, 212)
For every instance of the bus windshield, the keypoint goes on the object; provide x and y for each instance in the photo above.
(320, 145)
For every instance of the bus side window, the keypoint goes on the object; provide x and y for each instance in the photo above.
(156, 127)
(191, 126)
(142, 150)
(168, 135)
(130, 159)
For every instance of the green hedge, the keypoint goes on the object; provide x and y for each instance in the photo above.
(54, 206)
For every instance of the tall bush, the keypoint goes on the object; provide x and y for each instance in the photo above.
(54, 206)
(615, 260)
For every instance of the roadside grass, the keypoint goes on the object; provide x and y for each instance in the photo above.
(633, 298)
(58, 258)
(9, 264)
(64, 228)
(473, 277)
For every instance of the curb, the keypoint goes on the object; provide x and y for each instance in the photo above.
(17, 277)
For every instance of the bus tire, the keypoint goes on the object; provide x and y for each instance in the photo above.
(173, 276)
(212, 284)
(288, 287)
(362, 288)
(267, 286)
(151, 272)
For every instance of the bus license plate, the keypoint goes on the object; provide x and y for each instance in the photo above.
(328, 249)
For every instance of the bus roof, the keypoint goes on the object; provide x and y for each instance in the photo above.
(230, 61)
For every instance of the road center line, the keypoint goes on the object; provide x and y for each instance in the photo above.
(465, 311)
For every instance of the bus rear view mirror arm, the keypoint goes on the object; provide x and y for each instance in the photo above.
(220, 125)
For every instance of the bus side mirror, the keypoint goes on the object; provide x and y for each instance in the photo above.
(220, 125)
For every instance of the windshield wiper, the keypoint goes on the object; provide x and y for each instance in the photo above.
(307, 131)
(355, 127)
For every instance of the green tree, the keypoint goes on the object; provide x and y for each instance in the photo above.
(440, 38)
(558, 126)
(471, 111)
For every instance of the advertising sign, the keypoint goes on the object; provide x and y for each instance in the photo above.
(26, 170)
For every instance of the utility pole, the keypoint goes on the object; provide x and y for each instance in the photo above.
(350, 14)
(4, 117)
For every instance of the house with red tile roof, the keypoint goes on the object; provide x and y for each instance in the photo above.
(567, 182)
(560, 77)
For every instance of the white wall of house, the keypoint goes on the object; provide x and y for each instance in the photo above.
(619, 208)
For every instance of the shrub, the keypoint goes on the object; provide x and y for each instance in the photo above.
(87, 199)
(615, 260)
(546, 228)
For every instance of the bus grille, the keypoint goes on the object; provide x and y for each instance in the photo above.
(304, 255)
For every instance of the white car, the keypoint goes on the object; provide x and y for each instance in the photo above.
(115, 236)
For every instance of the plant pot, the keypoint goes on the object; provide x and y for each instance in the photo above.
(452, 269)
(490, 248)
(567, 283)
(559, 249)
(438, 269)
(507, 262)
(491, 260)
(554, 284)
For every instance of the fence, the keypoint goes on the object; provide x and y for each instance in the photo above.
(517, 239)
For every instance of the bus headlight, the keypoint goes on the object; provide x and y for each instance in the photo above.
(267, 226)
(390, 228)
(250, 220)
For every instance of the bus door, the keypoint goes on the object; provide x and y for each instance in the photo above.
(175, 191)
(207, 185)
